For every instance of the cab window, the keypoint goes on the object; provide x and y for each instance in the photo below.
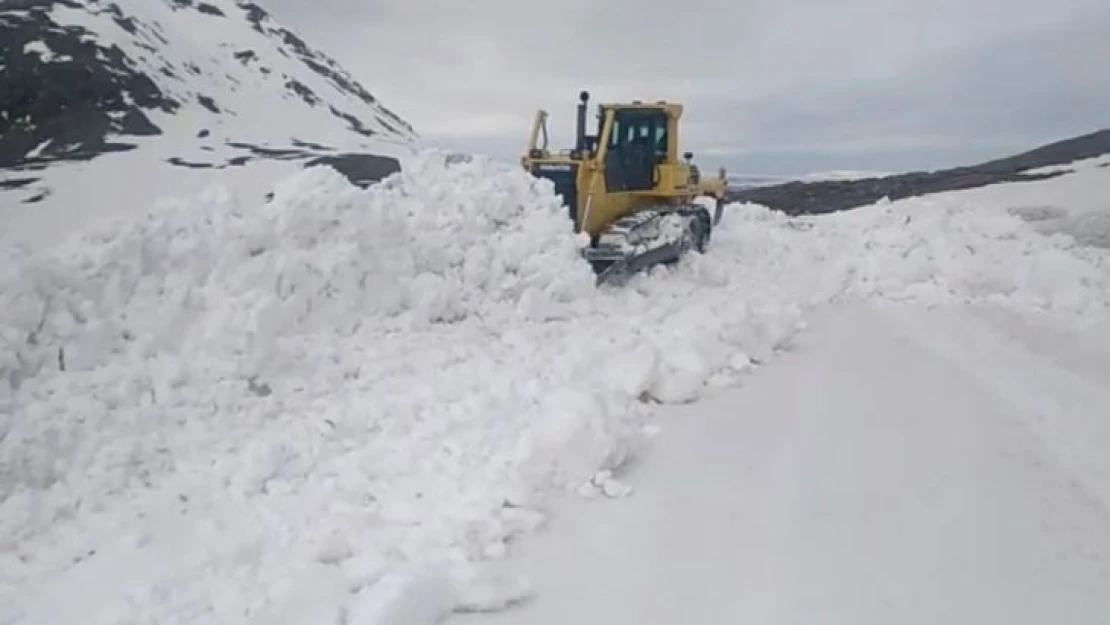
(644, 127)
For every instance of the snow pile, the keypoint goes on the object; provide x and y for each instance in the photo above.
(1075, 204)
(233, 291)
(340, 402)
(928, 250)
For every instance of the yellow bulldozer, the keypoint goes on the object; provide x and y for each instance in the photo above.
(626, 187)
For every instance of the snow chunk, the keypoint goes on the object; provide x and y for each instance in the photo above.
(413, 597)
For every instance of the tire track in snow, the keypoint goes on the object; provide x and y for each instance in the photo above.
(1057, 396)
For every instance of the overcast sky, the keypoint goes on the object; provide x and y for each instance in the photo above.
(770, 86)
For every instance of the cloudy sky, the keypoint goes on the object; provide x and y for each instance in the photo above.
(770, 86)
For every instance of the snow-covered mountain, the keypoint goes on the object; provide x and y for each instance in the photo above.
(117, 103)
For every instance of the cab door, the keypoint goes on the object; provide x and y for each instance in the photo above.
(637, 144)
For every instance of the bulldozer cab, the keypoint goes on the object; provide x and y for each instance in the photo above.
(638, 142)
(630, 163)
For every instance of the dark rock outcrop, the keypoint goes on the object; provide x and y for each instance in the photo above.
(82, 79)
(811, 198)
(361, 169)
(60, 90)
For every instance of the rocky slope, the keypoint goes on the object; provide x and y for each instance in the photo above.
(798, 197)
(89, 89)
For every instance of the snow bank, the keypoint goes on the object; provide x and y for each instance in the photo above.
(338, 402)
(927, 251)
(1075, 204)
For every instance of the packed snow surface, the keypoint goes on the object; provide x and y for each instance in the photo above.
(902, 465)
(342, 405)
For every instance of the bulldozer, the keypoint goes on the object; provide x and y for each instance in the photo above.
(626, 187)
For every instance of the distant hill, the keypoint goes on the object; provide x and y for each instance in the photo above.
(827, 196)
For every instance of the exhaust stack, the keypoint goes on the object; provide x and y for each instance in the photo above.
(580, 137)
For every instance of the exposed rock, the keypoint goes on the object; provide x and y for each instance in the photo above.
(361, 169)
(62, 95)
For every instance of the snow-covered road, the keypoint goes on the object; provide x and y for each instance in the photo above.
(900, 466)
